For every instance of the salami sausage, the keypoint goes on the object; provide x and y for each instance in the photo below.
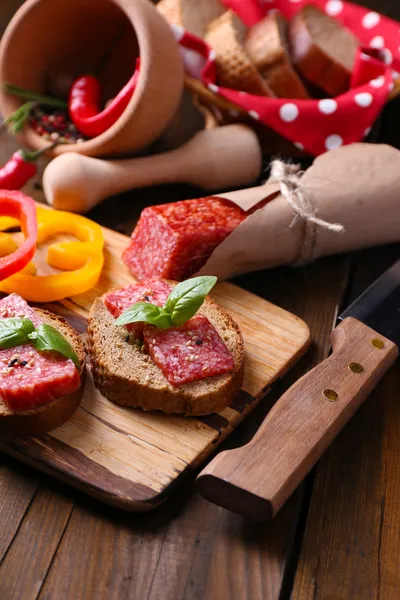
(154, 291)
(188, 353)
(29, 379)
(175, 240)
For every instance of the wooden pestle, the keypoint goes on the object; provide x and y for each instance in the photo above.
(227, 157)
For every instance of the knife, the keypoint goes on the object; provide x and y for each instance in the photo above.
(257, 479)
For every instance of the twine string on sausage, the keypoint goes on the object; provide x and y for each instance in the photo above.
(303, 206)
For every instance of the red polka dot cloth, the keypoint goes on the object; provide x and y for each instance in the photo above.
(314, 125)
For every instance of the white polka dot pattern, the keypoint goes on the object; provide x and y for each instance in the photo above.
(371, 20)
(377, 42)
(334, 7)
(333, 141)
(387, 56)
(378, 82)
(364, 99)
(289, 112)
(327, 106)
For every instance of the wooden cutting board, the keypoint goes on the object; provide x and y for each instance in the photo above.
(130, 458)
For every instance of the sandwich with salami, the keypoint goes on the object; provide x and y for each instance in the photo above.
(42, 368)
(159, 345)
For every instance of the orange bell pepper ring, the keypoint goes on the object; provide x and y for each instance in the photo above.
(81, 261)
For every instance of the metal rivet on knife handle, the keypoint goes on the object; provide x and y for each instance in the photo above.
(356, 367)
(378, 343)
(330, 395)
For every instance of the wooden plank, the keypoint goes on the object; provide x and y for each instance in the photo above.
(352, 538)
(17, 489)
(24, 568)
(190, 548)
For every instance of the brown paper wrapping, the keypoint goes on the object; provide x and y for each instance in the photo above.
(356, 185)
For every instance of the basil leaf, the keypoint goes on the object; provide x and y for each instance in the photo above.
(49, 338)
(186, 298)
(146, 313)
(14, 332)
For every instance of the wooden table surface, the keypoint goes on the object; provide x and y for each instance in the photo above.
(337, 538)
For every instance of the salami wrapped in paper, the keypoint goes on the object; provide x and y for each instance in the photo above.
(347, 200)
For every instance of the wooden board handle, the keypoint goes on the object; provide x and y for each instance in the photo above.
(257, 479)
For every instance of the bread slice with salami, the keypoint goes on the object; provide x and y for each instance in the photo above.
(39, 389)
(267, 46)
(322, 49)
(226, 36)
(192, 369)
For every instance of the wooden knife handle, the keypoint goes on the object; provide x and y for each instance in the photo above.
(257, 479)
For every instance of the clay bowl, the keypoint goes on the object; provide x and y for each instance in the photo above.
(50, 41)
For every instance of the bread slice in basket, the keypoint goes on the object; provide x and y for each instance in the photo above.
(226, 36)
(322, 49)
(193, 15)
(267, 46)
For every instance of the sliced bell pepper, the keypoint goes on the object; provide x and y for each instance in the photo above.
(81, 261)
(18, 206)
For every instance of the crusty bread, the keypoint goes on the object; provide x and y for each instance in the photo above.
(128, 377)
(322, 49)
(226, 36)
(50, 415)
(193, 15)
(267, 46)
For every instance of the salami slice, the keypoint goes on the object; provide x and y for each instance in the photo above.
(155, 291)
(29, 379)
(188, 353)
(175, 240)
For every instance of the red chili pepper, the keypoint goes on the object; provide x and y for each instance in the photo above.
(20, 168)
(17, 205)
(84, 104)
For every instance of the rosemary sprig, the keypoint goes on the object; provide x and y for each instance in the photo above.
(16, 121)
(14, 90)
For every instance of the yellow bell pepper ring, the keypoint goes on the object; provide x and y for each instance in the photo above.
(7, 245)
(82, 261)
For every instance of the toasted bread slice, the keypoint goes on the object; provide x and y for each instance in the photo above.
(50, 415)
(128, 377)
(322, 49)
(267, 46)
(226, 36)
(193, 15)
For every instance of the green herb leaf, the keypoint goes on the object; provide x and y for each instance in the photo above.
(186, 298)
(14, 332)
(144, 312)
(19, 92)
(50, 339)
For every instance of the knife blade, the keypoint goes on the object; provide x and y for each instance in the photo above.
(257, 479)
